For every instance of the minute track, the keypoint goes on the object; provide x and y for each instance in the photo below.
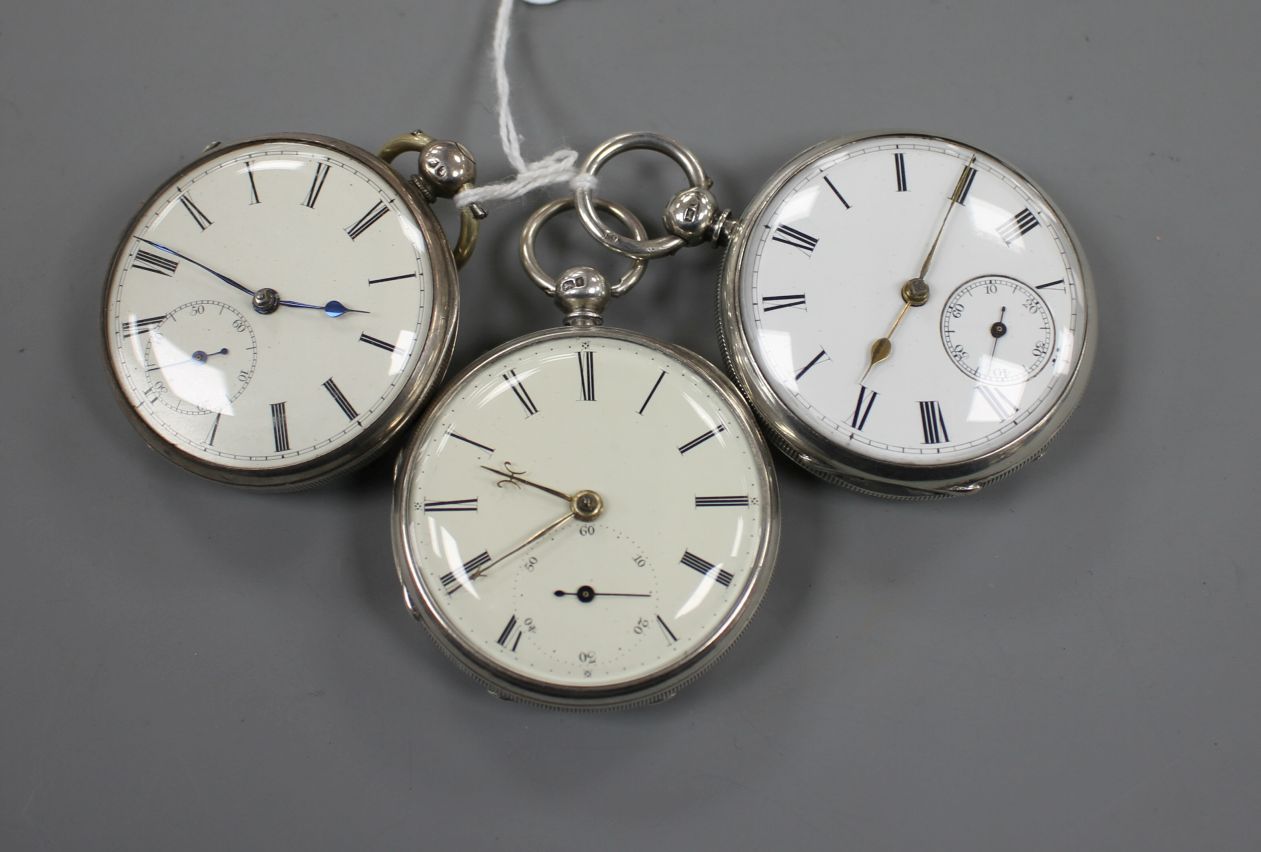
(932, 215)
(596, 600)
(197, 243)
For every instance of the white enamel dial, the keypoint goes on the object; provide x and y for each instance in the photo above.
(269, 309)
(614, 605)
(905, 385)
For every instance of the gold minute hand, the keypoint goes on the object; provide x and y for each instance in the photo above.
(533, 537)
(915, 292)
(956, 197)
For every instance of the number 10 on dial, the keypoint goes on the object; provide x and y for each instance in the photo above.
(586, 518)
(277, 310)
(909, 315)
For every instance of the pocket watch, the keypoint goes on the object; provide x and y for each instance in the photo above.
(279, 308)
(907, 314)
(586, 517)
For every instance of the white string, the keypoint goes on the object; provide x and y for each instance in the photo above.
(556, 167)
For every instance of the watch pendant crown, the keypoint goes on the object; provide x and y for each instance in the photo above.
(582, 293)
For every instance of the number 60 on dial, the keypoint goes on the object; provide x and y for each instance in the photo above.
(908, 315)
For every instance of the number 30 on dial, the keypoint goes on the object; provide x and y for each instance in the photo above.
(909, 315)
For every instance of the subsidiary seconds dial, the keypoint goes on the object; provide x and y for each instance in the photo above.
(277, 310)
(199, 358)
(997, 330)
(586, 518)
(908, 314)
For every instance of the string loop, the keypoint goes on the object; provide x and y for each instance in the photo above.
(556, 167)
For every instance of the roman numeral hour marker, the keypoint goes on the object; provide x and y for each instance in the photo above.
(202, 220)
(816, 359)
(964, 186)
(508, 634)
(280, 427)
(1017, 226)
(467, 505)
(899, 170)
(367, 220)
(707, 568)
(700, 439)
(655, 385)
(249, 172)
(731, 500)
(775, 303)
(586, 375)
(340, 398)
(835, 191)
(150, 262)
(790, 236)
(317, 184)
(375, 341)
(523, 395)
(862, 408)
(449, 579)
(933, 423)
(141, 326)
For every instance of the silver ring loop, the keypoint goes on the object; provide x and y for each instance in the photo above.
(638, 247)
(539, 217)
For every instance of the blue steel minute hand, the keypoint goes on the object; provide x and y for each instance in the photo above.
(332, 308)
(225, 279)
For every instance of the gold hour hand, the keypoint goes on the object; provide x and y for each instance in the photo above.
(585, 505)
(514, 477)
(915, 292)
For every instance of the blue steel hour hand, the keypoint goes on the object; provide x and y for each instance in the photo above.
(333, 309)
(265, 300)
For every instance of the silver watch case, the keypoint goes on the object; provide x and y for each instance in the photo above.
(835, 462)
(653, 688)
(430, 367)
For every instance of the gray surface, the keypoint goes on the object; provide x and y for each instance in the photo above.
(1067, 661)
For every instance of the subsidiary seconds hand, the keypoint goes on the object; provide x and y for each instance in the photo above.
(997, 330)
(199, 356)
(586, 594)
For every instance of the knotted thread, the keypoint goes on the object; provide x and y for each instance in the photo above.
(556, 167)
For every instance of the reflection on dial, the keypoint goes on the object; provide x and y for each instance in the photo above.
(997, 330)
(318, 259)
(200, 357)
(670, 487)
(825, 261)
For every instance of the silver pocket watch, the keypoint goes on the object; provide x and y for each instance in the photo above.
(586, 517)
(908, 315)
(280, 307)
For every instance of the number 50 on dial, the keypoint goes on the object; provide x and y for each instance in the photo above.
(277, 311)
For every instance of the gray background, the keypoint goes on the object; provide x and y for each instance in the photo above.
(1069, 660)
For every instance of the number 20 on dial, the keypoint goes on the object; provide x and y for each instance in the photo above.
(908, 315)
